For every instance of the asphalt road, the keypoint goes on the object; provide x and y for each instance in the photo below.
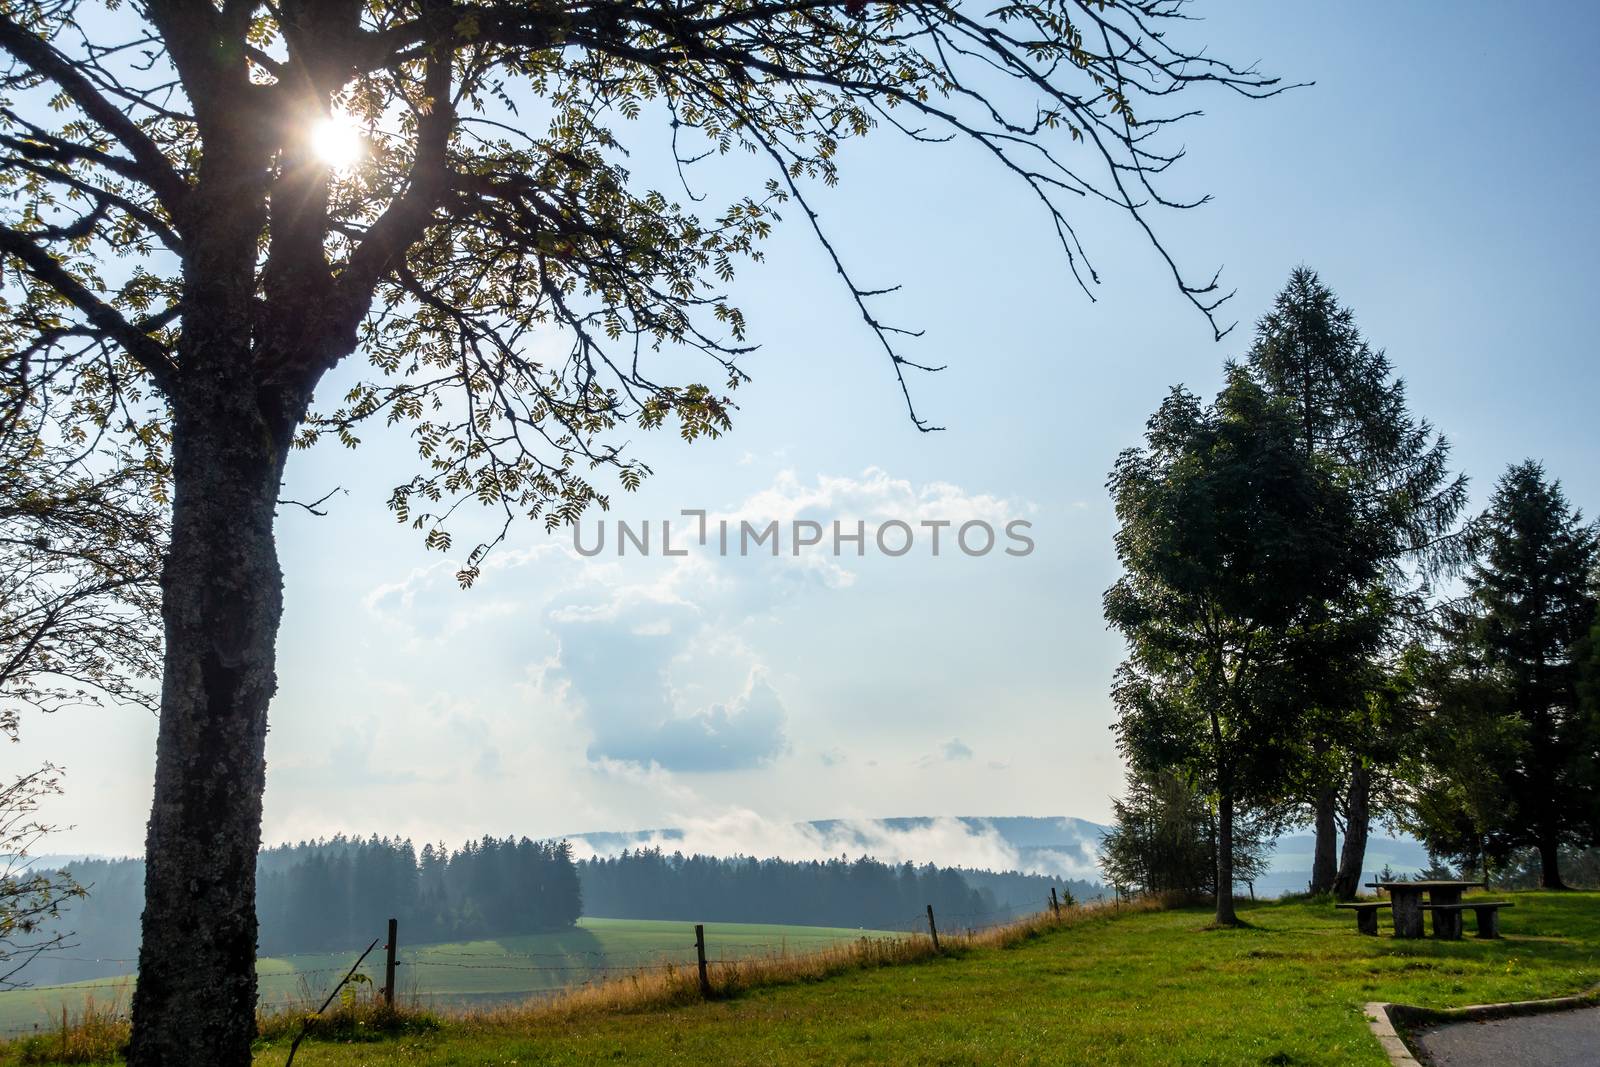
(1559, 1039)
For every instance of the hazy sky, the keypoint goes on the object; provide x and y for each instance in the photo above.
(1441, 175)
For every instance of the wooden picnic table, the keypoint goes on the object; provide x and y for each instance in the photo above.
(1407, 898)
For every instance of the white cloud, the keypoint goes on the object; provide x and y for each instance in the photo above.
(743, 832)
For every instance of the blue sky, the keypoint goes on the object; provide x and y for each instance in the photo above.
(1441, 175)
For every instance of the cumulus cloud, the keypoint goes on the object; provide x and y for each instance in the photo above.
(647, 652)
(874, 495)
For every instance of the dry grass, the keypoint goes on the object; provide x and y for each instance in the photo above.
(97, 1033)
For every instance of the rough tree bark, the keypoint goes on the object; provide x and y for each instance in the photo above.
(1225, 913)
(1550, 865)
(222, 598)
(1357, 825)
(1325, 855)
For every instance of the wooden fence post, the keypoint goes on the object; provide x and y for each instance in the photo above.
(932, 929)
(388, 964)
(700, 956)
(1055, 902)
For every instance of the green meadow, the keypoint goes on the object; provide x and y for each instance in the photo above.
(462, 974)
(1133, 989)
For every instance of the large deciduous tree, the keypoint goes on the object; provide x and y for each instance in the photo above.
(1350, 410)
(188, 236)
(1239, 554)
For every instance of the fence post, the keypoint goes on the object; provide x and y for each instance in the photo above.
(932, 929)
(1055, 904)
(388, 964)
(700, 957)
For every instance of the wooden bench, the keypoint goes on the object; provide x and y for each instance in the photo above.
(1447, 918)
(1366, 914)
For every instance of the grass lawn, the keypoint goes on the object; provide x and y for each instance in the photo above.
(1151, 988)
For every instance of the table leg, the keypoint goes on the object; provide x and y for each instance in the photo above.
(1407, 907)
(1446, 924)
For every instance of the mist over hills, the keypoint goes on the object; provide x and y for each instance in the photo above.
(1055, 846)
(1059, 847)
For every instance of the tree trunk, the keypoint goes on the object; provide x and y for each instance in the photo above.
(1550, 865)
(1324, 857)
(1357, 824)
(222, 597)
(1225, 913)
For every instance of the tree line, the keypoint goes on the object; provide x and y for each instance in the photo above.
(317, 895)
(864, 892)
(335, 895)
(1316, 636)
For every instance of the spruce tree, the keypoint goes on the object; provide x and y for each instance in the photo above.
(1524, 630)
(1351, 411)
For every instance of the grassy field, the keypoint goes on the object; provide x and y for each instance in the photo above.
(1153, 988)
(1156, 987)
(465, 974)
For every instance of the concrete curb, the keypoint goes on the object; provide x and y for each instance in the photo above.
(1389, 1038)
(1388, 1020)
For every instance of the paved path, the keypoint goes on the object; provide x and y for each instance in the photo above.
(1558, 1039)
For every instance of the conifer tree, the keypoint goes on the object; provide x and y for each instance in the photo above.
(1521, 636)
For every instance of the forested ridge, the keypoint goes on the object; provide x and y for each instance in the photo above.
(864, 892)
(335, 895)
